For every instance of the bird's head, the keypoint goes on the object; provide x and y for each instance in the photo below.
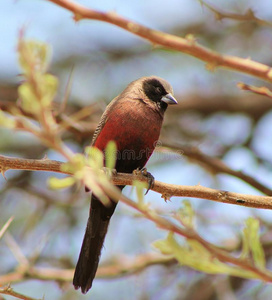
(158, 91)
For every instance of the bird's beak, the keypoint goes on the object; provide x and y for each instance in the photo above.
(169, 99)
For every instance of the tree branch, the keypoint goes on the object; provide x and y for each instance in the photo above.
(248, 16)
(191, 234)
(186, 45)
(166, 190)
(14, 163)
(9, 291)
(120, 267)
(264, 91)
(216, 165)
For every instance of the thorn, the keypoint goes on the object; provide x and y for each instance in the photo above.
(136, 172)
(114, 172)
(77, 17)
(211, 66)
(3, 174)
(45, 157)
(191, 39)
(166, 197)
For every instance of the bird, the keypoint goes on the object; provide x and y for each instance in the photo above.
(133, 120)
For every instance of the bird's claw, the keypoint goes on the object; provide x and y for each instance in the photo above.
(148, 175)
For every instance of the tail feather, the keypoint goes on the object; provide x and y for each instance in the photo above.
(89, 255)
(94, 237)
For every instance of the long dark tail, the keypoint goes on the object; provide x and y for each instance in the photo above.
(94, 237)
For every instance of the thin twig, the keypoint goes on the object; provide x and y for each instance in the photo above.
(264, 91)
(5, 227)
(16, 250)
(9, 291)
(67, 92)
(248, 16)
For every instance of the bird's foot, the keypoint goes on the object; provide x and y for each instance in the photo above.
(146, 174)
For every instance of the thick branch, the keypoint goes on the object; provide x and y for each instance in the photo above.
(185, 45)
(166, 190)
(14, 163)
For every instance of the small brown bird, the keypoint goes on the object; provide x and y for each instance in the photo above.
(133, 121)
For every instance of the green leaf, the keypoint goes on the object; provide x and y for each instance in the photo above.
(95, 157)
(33, 56)
(186, 214)
(91, 181)
(39, 88)
(140, 186)
(251, 243)
(60, 183)
(49, 86)
(75, 165)
(194, 255)
(29, 101)
(164, 246)
(5, 121)
(110, 155)
(245, 245)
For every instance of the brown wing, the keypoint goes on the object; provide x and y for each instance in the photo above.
(103, 120)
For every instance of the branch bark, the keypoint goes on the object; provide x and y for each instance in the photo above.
(166, 190)
(9, 291)
(186, 45)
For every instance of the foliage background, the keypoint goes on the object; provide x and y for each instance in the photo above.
(213, 115)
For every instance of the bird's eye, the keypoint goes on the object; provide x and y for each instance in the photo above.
(158, 90)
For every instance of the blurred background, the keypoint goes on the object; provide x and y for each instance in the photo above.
(213, 116)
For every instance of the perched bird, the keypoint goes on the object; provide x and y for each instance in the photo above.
(133, 120)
